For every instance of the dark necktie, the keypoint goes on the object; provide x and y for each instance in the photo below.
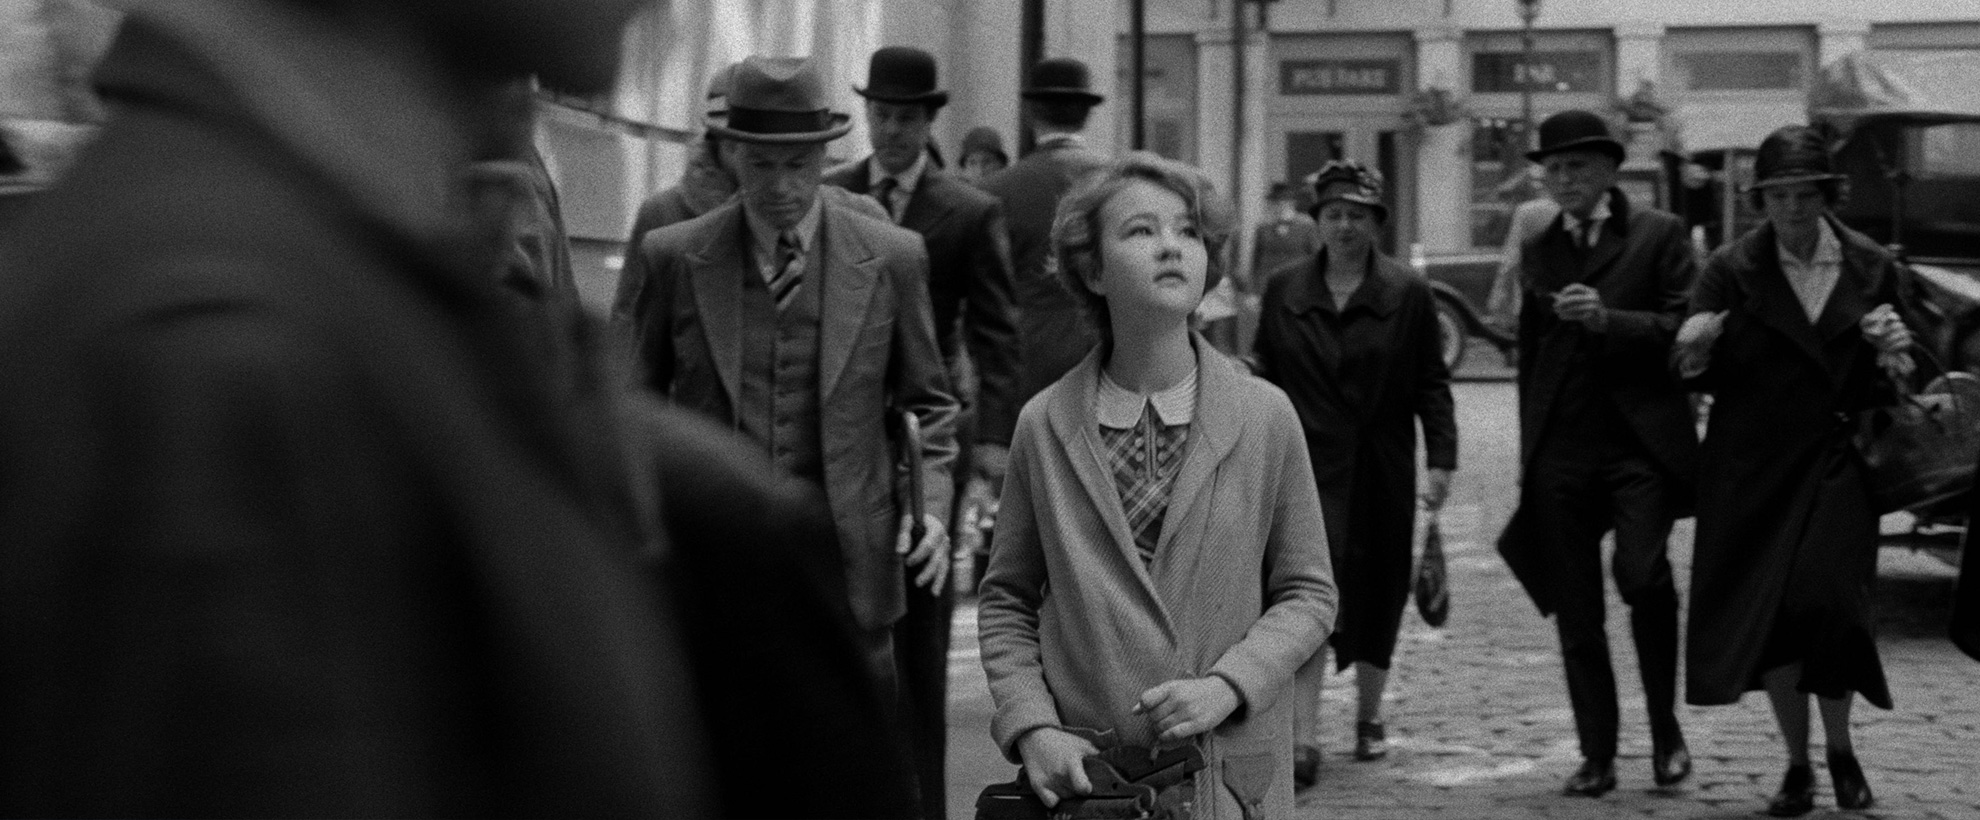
(790, 270)
(884, 192)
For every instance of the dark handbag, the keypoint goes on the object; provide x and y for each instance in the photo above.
(1129, 783)
(1922, 449)
(1433, 598)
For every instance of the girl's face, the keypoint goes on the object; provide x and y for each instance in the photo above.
(1799, 205)
(1347, 227)
(1152, 257)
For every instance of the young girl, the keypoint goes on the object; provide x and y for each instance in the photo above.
(1160, 567)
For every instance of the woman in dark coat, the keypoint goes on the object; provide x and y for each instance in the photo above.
(1351, 336)
(1793, 331)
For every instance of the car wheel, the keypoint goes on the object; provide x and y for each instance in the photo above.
(1450, 335)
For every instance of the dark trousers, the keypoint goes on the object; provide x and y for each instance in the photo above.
(1586, 488)
(921, 653)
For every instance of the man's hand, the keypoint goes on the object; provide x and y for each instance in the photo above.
(1580, 303)
(932, 554)
(1188, 707)
(1437, 488)
(1052, 762)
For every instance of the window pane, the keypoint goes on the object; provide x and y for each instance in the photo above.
(1739, 70)
(1950, 150)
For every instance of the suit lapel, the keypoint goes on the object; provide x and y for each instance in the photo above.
(850, 272)
(1773, 302)
(718, 267)
(1075, 426)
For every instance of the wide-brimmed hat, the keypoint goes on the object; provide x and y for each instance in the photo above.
(1344, 180)
(1792, 154)
(1061, 79)
(1576, 130)
(902, 74)
(778, 101)
(983, 138)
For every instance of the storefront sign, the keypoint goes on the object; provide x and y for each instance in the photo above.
(1549, 71)
(1340, 77)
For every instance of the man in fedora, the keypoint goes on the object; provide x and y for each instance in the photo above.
(1052, 335)
(1606, 437)
(793, 319)
(969, 285)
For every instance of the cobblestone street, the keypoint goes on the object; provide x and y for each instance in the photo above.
(1477, 711)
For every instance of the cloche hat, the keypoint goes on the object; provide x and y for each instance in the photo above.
(1792, 154)
(1348, 181)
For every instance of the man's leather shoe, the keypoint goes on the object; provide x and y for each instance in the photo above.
(1670, 763)
(1852, 791)
(1371, 741)
(1306, 765)
(1594, 779)
(1797, 794)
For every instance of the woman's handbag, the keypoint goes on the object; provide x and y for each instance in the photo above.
(1433, 599)
(1923, 449)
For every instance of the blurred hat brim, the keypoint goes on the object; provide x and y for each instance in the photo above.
(1051, 94)
(936, 98)
(1601, 145)
(1793, 178)
(720, 126)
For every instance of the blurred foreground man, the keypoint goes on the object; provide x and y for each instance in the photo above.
(301, 516)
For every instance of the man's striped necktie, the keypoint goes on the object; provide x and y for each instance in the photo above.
(790, 270)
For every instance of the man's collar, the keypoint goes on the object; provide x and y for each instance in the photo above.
(907, 180)
(763, 237)
(1599, 215)
(1061, 138)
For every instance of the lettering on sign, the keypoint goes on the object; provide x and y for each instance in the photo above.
(1555, 71)
(1340, 77)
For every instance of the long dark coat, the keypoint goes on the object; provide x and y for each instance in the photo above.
(970, 284)
(300, 517)
(1643, 268)
(1787, 537)
(1361, 377)
(1053, 335)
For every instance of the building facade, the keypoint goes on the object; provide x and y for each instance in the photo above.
(1432, 92)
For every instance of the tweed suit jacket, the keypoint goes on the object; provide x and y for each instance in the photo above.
(1052, 333)
(877, 355)
(970, 283)
(1074, 626)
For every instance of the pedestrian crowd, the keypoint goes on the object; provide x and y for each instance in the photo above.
(322, 495)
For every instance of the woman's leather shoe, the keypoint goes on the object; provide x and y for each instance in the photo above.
(1852, 791)
(1594, 779)
(1371, 742)
(1670, 763)
(1797, 794)
(1306, 765)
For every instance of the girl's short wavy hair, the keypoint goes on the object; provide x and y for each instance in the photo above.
(1076, 229)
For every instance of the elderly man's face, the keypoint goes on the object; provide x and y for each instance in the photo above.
(1577, 180)
(777, 183)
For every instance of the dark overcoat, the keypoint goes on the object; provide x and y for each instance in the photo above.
(1053, 333)
(876, 356)
(1787, 534)
(1643, 268)
(300, 518)
(1361, 377)
(970, 284)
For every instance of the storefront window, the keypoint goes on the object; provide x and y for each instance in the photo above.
(1499, 179)
(1739, 71)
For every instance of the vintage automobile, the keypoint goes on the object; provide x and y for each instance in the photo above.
(1462, 284)
(1907, 126)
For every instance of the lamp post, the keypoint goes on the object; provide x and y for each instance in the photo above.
(1529, 11)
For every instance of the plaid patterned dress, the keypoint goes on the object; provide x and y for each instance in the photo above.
(1146, 437)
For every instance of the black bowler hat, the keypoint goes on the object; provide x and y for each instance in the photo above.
(1792, 154)
(1061, 79)
(778, 100)
(1575, 130)
(905, 75)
